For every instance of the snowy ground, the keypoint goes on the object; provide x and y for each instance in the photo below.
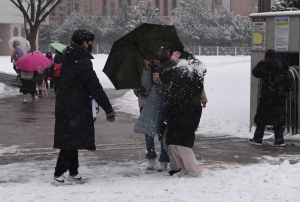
(227, 85)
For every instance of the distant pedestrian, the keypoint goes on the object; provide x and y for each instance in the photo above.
(275, 86)
(28, 85)
(46, 70)
(16, 54)
(55, 73)
(74, 122)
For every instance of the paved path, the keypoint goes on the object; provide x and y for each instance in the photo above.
(26, 134)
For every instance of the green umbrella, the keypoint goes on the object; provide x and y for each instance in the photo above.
(58, 46)
(125, 62)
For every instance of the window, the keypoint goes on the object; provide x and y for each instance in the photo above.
(218, 2)
(69, 7)
(157, 4)
(77, 5)
(112, 7)
(129, 2)
(16, 32)
(165, 7)
(53, 12)
(173, 5)
(103, 7)
(23, 34)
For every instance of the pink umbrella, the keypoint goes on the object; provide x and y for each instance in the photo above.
(46, 90)
(33, 61)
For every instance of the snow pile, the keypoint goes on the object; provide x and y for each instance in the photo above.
(131, 182)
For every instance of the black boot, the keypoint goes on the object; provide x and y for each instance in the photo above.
(40, 94)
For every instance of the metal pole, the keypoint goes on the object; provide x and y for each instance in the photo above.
(199, 50)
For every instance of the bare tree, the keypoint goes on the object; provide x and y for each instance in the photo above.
(34, 13)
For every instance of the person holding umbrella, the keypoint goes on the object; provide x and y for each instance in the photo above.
(74, 123)
(16, 54)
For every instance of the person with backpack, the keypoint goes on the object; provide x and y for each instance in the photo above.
(16, 54)
(74, 123)
(55, 73)
(271, 110)
(28, 84)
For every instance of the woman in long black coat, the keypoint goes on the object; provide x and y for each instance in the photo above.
(271, 108)
(74, 124)
(182, 109)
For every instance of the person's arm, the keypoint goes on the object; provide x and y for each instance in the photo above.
(203, 98)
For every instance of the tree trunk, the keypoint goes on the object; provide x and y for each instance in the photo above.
(32, 38)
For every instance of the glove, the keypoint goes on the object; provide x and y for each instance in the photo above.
(175, 56)
(11, 60)
(111, 115)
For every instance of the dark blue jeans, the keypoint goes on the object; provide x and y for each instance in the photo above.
(260, 129)
(150, 149)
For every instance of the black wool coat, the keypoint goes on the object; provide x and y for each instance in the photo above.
(74, 125)
(271, 109)
(182, 109)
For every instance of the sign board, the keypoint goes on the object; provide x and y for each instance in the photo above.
(282, 33)
(259, 34)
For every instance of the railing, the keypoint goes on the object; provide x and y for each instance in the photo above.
(195, 50)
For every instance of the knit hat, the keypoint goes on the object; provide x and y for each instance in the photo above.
(81, 35)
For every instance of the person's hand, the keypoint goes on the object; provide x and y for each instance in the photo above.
(147, 64)
(175, 56)
(111, 116)
(203, 104)
(263, 60)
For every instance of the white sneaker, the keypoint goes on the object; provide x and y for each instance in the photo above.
(162, 166)
(151, 164)
(62, 179)
(182, 172)
(75, 178)
(24, 98)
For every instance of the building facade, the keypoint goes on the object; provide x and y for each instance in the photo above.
(164, 7)
(11, 24)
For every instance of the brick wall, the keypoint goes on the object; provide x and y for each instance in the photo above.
(7, 31)
(243, 7)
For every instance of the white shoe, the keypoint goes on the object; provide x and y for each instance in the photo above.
(24, 98)
(162, 166)
(61, 179)
(77, 178)
(151, 164)
(182, 172)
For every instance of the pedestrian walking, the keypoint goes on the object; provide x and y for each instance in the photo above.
(46, 70)
(74, 123)
(55, 73)
(183, 77)
(28, 79)
(275, 86)
(16, 54)
(148, 120)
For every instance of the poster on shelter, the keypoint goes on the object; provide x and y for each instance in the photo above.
(259, 34)
(282, 29)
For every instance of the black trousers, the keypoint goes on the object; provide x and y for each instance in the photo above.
(67, 160)
(260, 129)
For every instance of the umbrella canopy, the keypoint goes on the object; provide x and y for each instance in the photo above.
(33, 61)
(126, 58)
(58, 46)
(23, 42)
